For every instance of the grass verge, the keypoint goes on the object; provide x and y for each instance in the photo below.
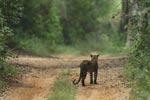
(62, 88)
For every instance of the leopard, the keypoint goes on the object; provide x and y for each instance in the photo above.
(88, 66)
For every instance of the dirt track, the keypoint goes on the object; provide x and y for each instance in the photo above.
(40, 73)
(111, 86)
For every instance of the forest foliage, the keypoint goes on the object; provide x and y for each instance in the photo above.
(43, 27)
(10, 14)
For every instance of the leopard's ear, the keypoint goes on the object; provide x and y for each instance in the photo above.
(91, 55)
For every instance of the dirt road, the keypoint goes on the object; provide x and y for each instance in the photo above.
(39, 74)
(111, 86)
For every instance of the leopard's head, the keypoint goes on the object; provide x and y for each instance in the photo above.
(94, 57)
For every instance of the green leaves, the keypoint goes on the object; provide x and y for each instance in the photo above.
(82, 18)
(41, 19)
(11, 11)
(5, 35)
(54, 29)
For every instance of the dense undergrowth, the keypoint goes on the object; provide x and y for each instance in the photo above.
(42, 47)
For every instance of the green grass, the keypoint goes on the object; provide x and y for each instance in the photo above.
(62, 88)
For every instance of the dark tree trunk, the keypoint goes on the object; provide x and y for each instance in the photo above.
(129, 8)
(124, 18)
(132, 6)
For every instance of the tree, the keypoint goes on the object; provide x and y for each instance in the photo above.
(124, 16)
(129, 10)
(10, 13)
(132, 21)
(54, 29)
(41, 19)
(139, 66)
(80, 18)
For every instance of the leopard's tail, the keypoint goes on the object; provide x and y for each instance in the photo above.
(76, 82)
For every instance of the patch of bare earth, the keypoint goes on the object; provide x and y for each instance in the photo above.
(40, 73)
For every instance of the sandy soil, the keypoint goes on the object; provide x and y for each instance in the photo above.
(40, 73)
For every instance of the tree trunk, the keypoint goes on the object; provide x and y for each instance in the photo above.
(124, 19)
(127, 21)
(131, 22)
